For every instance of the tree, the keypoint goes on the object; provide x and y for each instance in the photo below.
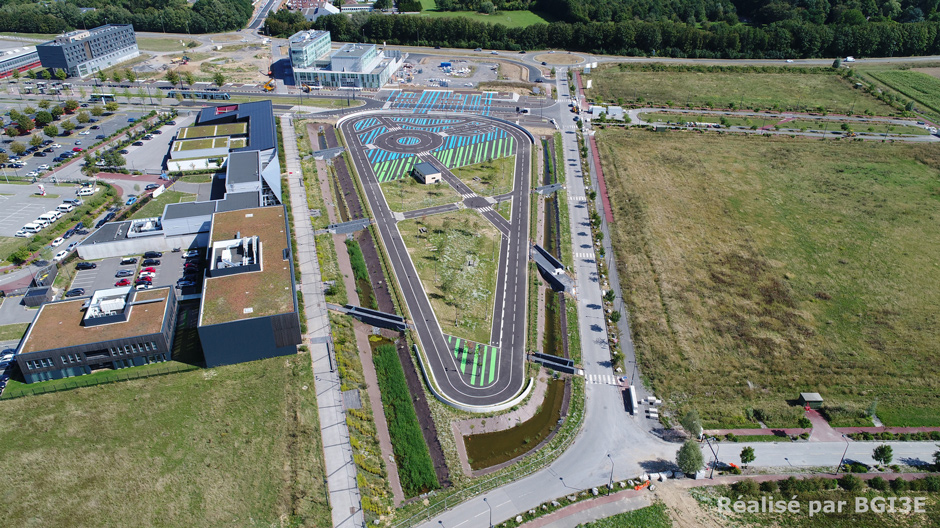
(172, 77)
(97, 111)
(31, 74)
(936, 458)
(83, 117)
(141, 94)
(16, 75)
(43, 118)
(837, 63)
(4, 158)
(44, 104)
(615, 316)
(11, 131)
(102, 76)
(747, 456)
(113, 158)
(29, 110)
(117, 76)
(60, 74)
(18, 148)
(883, 454)
(689, 457)
(68, 126)
(851, 483)
(127, 95)
(56, 112)
(82, 92)
(189, 78)
(218, 79)
(130, 75)
(35, 140)
(692, 424)
(71, 105)
(46, 74)
(111, 106)
(26, 124)
(50, 130)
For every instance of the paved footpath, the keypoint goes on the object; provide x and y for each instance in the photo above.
(337, 452)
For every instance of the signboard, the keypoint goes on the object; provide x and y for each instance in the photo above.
(158, 191)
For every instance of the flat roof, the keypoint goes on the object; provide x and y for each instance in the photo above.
(243, 167)
(426, 168)
(238, 200)
(108, 233)
(811, 396)
(255, 293)
(187, 210)
(198, 144)
(258, 114)
(59, 324)
(229, 129)
(353, 50)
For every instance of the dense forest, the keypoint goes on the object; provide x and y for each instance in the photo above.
(172, 16)
(786, 39)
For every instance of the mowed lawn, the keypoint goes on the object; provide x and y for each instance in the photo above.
(756, 268)
(408, 194)
(230, 446)
(789, 91)
(456, 256)
(506, 18)
(489, 178)
(155, 206)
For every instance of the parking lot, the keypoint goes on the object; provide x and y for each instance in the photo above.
(19, 204)
(168, 272)
(455, 76)
(150, 156)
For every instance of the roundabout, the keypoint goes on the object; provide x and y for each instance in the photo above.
(409, 141)
(559, 59)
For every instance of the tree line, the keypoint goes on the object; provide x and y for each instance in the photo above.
(172, 16)
(788, 39)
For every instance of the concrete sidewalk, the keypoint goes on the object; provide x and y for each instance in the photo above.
(337, 452)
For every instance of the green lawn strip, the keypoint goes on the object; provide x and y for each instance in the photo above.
(9, 245)
(742, 87)
(248, 432)
(574, 333)
(160, 44)
(196, 178)
(329, 270)
(407, 194)
(367, 455)
(361, 272)
(155, 206)
(799, 269)
(875, 128)
(489, 178)
(655, 516)
(456, 259)
(416, 471)
(12, 332)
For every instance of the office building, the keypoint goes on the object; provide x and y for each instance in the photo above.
(352, 66)
(20, 59)
(309, 48)
(115, 328)
(83, 52)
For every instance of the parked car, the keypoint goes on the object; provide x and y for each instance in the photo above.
(124, 273)
(146, 275)
(142, 280)
(128, 260)
(191, 253)
(23, 234)
(138, 143)
(124, 151)
(44, 167)
(55, 145)
(57, 242)
(79, 142)
(151, 262)
(144, 286)
(40, 155)
(158, 131)
(190, 266)
(75, 292)
(48, 150)
(149, 269)
(184, 283)
(85, 266)
(60, 255)
(151, 187)
(148, 136)
(123, 282)
(95, 127)
(131, 201)
(72, 246)
(77, 149)
(100, 136)
(152, 255)
(171, 122)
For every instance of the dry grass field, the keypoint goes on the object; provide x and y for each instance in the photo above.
(230, 446)
(756, 268)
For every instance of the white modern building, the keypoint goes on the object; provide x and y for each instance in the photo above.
(351, 66)
(20, 59)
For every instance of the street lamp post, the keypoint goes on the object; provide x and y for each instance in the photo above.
(610, 483)
(843, 454)
(491, 511)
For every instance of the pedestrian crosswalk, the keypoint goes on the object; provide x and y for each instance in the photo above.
(601, 379)
(468, 195)
(588, 255)
(576, 198)
(485, 209)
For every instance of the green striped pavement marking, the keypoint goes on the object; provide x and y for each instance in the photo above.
(493, 364)
(486, 350)
(473, 370)
(463, 358)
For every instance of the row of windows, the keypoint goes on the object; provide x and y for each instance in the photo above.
(136, 348)
(39, 363)
(70, 358)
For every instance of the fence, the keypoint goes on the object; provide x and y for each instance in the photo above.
(91, 380)
(523, 469)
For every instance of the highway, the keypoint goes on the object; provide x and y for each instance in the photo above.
(508, 333)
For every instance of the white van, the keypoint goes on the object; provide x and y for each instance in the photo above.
(64, 208)
(87, 191)
(49, 217)
(41, 222)
(32, 227)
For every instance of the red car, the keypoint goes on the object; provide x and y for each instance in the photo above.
(123, 282)
(151, 269)
(77, 149)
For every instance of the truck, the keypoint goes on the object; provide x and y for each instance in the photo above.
(269, 86)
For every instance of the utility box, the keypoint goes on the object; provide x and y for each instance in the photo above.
(811, 400)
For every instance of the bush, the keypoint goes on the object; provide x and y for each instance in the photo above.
(788, 486)
(416, 471)
(899, 484)
(878, 483)
(932, 483)
(745, 487)
(851, 483)
(769, 486)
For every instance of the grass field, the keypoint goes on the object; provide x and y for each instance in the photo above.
(786, 91)
(236, 445)
(771, 266)
(488, 178)
(920, 87)
(654, 516)
(407, 194)
(9, 245)
(830, 125)
(155, 206)
(441, 255)
(159, 44)
(13, 332)
(506, 18)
